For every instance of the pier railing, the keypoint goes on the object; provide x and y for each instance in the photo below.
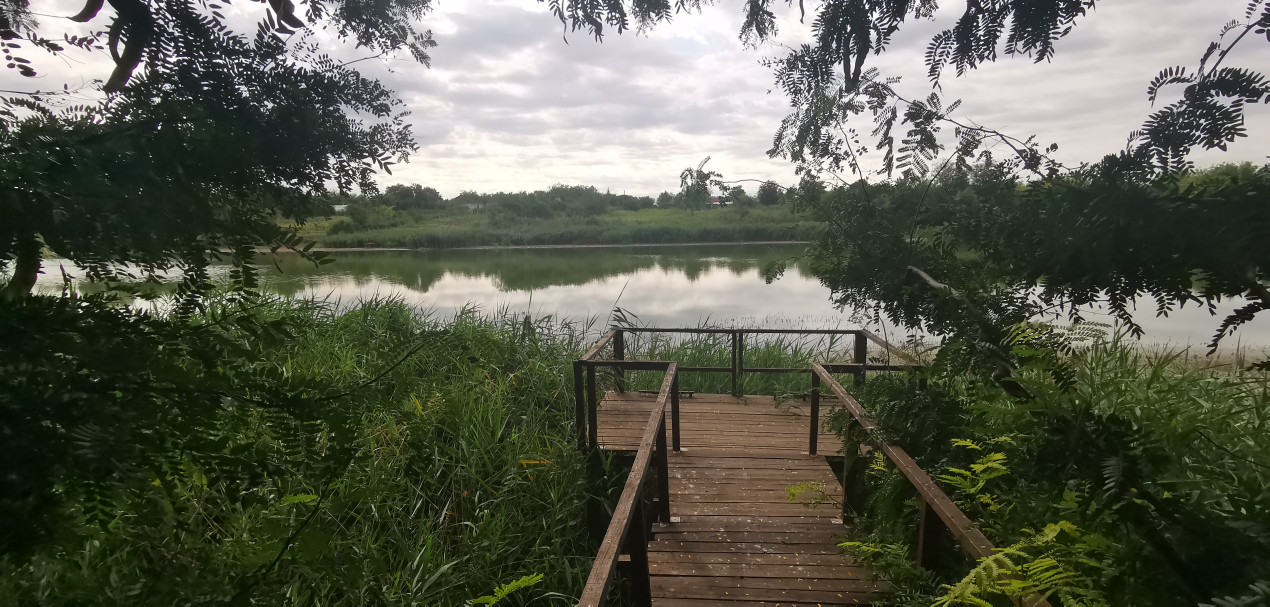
(637, 507)
(936, 507)
(586, 396)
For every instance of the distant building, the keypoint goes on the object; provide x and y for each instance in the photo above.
(718, 202)
(340, 209)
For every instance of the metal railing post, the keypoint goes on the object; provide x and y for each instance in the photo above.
(662, 461)
(740, 363)
(592, 407)
(619, 353)
(814, 434)
(924, 552)
(674, 411)
(637, 548)
(861, 356)
(579, 405)
(734, 373)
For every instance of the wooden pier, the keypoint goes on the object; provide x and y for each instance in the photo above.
(734, 537)
(704, 517)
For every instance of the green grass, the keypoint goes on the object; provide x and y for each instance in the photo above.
(460, 228)
(1159, 464)
(715, 350)
(459, 476)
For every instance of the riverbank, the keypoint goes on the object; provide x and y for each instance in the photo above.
(556, 246)
(464, 229)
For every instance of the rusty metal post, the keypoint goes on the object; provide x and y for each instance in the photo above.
(619, 353)
(734, 374)
(662, 461)
(592, 406)
(674, 411)
(579, 405)
(637, 548)
(861, 357)
(927, 527)
(814, 434)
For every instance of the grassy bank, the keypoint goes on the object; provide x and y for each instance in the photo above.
(425, 482)
(455, 228)
(1127, 478)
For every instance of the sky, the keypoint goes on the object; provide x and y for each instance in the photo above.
(511, 102)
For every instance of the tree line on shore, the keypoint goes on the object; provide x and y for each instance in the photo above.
(414, 203)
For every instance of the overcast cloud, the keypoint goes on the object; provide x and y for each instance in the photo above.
(509, 105)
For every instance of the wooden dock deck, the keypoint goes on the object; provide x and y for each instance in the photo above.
(734, 538)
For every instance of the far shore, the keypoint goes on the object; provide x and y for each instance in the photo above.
(552, 246)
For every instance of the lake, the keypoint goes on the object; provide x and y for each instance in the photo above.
(663, 285)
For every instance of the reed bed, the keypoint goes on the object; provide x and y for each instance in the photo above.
(458, 474)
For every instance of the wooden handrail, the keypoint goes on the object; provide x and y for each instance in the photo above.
(929, 493)
(620, 524)
(705, 331)
(886, 345)
(599, 345)
(971, 538)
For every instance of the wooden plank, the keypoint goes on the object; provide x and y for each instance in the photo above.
(737, 539)
(761, 537)
(748, 509)
(599, 345)
(754, 570)
(765, 589)
(680, 547)
(891, 350)
(795, 559)
(659, 602)
(761, 523)
(724, 474)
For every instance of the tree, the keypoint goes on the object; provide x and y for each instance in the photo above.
(695, 185)
(414, 196)
(665, 200)
(171, 168)
(204, 141)
(831, 87)
(738, 197)
(769, 194)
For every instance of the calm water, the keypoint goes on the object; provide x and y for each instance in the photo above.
(667, 286)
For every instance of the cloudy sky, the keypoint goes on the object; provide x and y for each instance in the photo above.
(508, 104)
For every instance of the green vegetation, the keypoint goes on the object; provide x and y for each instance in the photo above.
(1127, 480)
(529, 269)
(563, 215)
(172, 169)
(374, 456)
(715, 350)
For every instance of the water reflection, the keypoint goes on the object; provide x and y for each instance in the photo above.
(679, 286)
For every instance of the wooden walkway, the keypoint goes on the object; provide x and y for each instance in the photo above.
(734, 538)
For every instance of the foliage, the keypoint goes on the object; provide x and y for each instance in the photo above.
(696, 185)
(911, 585)
(1118, 228)
(970, 482)
(976, 251)
(488, 225)
(373, 456)
(169, 170)
(1040, 565)
(504, 590)
(413, 196)
(1158, 465)
(769, 194)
